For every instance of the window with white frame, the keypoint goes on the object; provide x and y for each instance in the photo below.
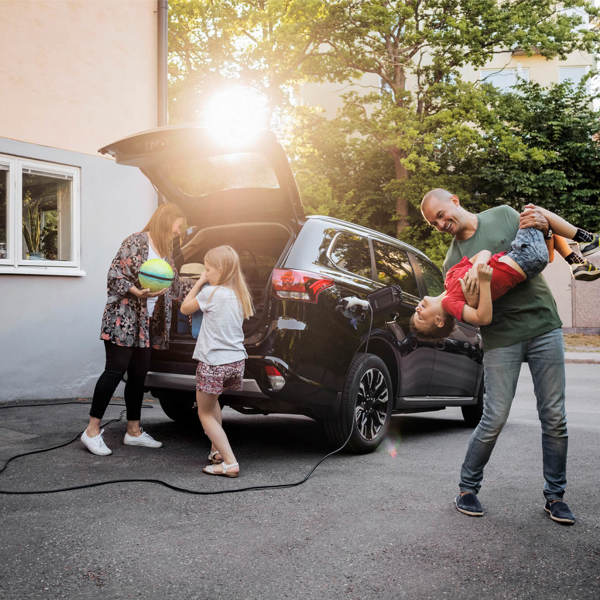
(573, 74)
(39, 217)
(504, 79)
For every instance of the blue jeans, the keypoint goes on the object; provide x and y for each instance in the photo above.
(545, 355)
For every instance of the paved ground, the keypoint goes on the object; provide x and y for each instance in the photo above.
(376, 526)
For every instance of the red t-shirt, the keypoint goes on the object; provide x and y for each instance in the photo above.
(504, 278)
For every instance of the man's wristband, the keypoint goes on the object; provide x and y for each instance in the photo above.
(549, 233)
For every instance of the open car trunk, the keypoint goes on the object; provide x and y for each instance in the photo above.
(215, 183)
(259, 246)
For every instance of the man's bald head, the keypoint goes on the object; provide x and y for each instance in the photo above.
(442, 210)
(439, 194)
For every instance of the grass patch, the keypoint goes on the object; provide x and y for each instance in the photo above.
(580, 342)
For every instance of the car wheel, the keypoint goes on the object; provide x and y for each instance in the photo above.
(472, 413)
(366, 406)
(178, 405)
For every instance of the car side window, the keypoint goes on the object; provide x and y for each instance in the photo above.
(393, 267)
(351, 253)
(432, 277)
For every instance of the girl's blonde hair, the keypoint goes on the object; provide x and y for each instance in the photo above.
(226, 260)
(160, 227)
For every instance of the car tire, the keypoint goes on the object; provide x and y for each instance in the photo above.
(366, 406)
(178, 405)
(472, 413)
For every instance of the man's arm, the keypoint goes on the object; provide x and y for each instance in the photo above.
(482, 315)
(533, 216)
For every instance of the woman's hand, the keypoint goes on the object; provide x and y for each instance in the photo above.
(145, 292)
(155, 294)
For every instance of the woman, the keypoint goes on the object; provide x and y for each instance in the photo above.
(134, 321)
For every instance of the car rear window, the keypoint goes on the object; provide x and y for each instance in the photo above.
(200, 176)
(393, 267)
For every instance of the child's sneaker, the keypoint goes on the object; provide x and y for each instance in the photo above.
(585, 271)
(591, 247)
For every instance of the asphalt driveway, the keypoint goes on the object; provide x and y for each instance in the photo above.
(376, 526)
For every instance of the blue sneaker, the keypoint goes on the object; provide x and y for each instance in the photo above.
(585, 271)
(559, 511)
(468, 504)
(591, 247)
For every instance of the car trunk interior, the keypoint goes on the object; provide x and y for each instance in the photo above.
(259, 246)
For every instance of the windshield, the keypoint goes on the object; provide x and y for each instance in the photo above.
(205, 175)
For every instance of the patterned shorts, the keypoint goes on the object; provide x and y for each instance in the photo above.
(214, 379)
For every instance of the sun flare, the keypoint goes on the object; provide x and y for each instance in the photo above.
(236, 114)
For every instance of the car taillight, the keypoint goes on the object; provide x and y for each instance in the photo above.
(290, 284)
(276, 379)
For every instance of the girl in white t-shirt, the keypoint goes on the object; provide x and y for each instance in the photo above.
(225, 303)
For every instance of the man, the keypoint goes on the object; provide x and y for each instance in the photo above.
(525, 327)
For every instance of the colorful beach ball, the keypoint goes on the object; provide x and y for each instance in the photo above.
(156, 274)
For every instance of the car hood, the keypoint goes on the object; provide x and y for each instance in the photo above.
(215, 183)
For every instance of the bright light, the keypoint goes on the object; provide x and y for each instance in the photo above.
(236, 114)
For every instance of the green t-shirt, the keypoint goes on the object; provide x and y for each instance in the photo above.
(526, 311)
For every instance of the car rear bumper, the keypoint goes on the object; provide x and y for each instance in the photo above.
(299, 395)
(180, 381)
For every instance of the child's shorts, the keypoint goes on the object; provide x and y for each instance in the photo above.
(529, 251)
(215, 379)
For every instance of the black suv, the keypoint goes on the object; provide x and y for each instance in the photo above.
(314, 348)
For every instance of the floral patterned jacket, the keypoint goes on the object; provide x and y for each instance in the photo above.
(125, 321)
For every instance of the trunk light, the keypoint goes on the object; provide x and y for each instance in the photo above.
(290, 284)
(276, 379)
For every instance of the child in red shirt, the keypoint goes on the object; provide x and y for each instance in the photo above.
(435, 317)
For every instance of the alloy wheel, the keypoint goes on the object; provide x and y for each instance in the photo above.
(371, 404)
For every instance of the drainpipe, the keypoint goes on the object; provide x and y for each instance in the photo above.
(162, 45)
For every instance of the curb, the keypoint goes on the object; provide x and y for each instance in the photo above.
(582, 361)
(586, 358)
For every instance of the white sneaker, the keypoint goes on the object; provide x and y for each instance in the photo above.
(141, 440)
(95, 444)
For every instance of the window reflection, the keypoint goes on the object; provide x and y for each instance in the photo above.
(46, 216)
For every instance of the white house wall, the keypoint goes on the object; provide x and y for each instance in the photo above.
(50, 325)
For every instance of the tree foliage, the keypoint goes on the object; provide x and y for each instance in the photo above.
(411, 122)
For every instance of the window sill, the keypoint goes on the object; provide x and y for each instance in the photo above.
(55, 271)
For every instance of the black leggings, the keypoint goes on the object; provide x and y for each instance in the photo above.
(136, 361)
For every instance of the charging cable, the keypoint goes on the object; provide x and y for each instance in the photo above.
(352, 303)
(170, 486)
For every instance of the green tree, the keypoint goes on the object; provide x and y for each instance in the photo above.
(416, 49)
(271, 45)
(555, 159)
(420, 126)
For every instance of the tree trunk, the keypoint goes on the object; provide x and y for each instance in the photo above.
(401, 203)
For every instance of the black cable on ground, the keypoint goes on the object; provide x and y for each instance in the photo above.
(170, 486)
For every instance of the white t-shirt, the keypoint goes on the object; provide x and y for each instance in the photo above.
(151, 302)
(221, 338)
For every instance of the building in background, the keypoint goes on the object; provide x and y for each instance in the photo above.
(75, 76)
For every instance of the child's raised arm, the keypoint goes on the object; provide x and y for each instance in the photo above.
(190, 304)
(482, 315)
